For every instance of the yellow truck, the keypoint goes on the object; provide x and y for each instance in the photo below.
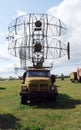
(38, 85)
(73, 76)
(76, 76)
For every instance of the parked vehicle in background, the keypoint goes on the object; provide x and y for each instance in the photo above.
(76, 76)
(73, 76)
(79, 74)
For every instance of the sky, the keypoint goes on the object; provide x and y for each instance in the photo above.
(69, 11)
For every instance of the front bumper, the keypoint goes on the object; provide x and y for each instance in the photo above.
(38, 94)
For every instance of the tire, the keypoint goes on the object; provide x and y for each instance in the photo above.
(23, 99)
(54, 97)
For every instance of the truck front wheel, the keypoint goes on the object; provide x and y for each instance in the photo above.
(23, 99)
(53, 98)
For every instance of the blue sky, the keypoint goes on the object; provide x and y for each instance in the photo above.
(9, 8)
(63, 9)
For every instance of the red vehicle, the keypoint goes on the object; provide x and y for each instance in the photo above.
(79, 74)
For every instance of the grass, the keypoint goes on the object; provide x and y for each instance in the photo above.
(65, 114)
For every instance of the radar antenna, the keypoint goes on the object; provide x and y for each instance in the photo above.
(32, 37)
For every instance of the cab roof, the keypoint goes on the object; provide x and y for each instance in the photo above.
(38, 69)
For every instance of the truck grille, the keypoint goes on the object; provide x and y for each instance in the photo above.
(38, 87)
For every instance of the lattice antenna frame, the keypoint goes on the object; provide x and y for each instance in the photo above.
(32, 37)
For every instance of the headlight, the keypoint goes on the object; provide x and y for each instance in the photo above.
(52, 88)
(24, 87)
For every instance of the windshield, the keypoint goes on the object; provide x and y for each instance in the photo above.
(38, 74)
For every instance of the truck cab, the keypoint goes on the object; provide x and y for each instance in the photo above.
(38, 85)
(73, 77)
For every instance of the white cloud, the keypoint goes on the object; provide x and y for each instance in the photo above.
(69, 11)
(6, 60)
(19, 13)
